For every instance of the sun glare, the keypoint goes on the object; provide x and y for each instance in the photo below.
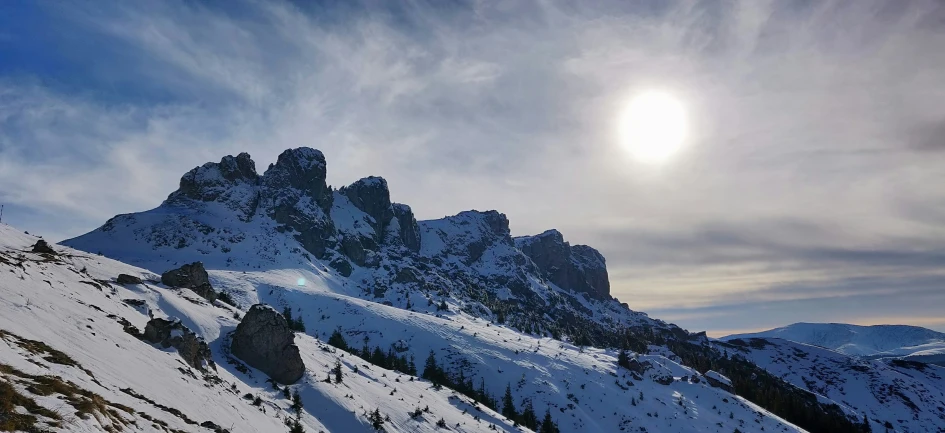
(653, 126)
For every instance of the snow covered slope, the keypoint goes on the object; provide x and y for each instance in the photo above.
(63, 315)
(880, 341)
(529, 314)
(895, 395)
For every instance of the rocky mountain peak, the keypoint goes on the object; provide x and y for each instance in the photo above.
(371, 196)
(297, 173)
(580, 267)
(407, 227)
(232, 182)
(240, 167)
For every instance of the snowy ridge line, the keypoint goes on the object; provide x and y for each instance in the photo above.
(584, 389)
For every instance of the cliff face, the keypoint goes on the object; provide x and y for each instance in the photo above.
(229, 217)
(580, 267)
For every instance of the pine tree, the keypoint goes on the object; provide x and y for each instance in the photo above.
(297, 403)
(431, 371)
(337, 370)
(529, 419)
(412, 367)
(338, 340)
(296, 426)
(508, 404)
(377, 421)
(623, 359)
(547, 425)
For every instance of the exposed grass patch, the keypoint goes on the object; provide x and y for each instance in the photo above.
(40, 349)
(12, 420)
(86, 403)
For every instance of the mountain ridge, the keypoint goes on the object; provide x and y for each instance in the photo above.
(356, 266)
(230, 217)
(873, 341)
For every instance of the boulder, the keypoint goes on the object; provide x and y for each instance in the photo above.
(193, 349)
(128, 279)
(193, 277)
(43, 247)
(264, 341)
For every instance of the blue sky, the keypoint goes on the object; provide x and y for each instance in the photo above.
(809, 188)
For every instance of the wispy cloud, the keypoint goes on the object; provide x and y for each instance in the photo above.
(813, 165)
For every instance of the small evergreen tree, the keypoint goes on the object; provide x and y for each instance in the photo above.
(623, 359)
(296, 426)
(508, 404)
(338, 340)
(529, 419)
(337, 370)
(377, 421)
(297, 403)
(547, 424)
(431, 371)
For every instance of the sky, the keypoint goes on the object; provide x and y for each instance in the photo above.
(809, 186)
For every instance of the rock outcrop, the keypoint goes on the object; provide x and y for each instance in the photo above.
(230, 217)
(264, 341)
(579, 267)
(193, 349)
(718, 380)
(128, 279)
(295, 195)
(367, 221)
(42, 247)
(371, 196)
(231, 182)
(191, 276)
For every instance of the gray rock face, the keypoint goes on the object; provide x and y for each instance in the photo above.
(580, 268)
(264, 341)
(393, 223)
(717, 380)
(193, 277)
(407, 225)
(372, 197)
(128, 279)
(295, 195)
(232, 182)
(43, 247)
(193, 349)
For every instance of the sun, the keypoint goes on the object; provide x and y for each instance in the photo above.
(653, 126)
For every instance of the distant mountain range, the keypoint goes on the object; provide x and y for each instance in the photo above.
(912, 343)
